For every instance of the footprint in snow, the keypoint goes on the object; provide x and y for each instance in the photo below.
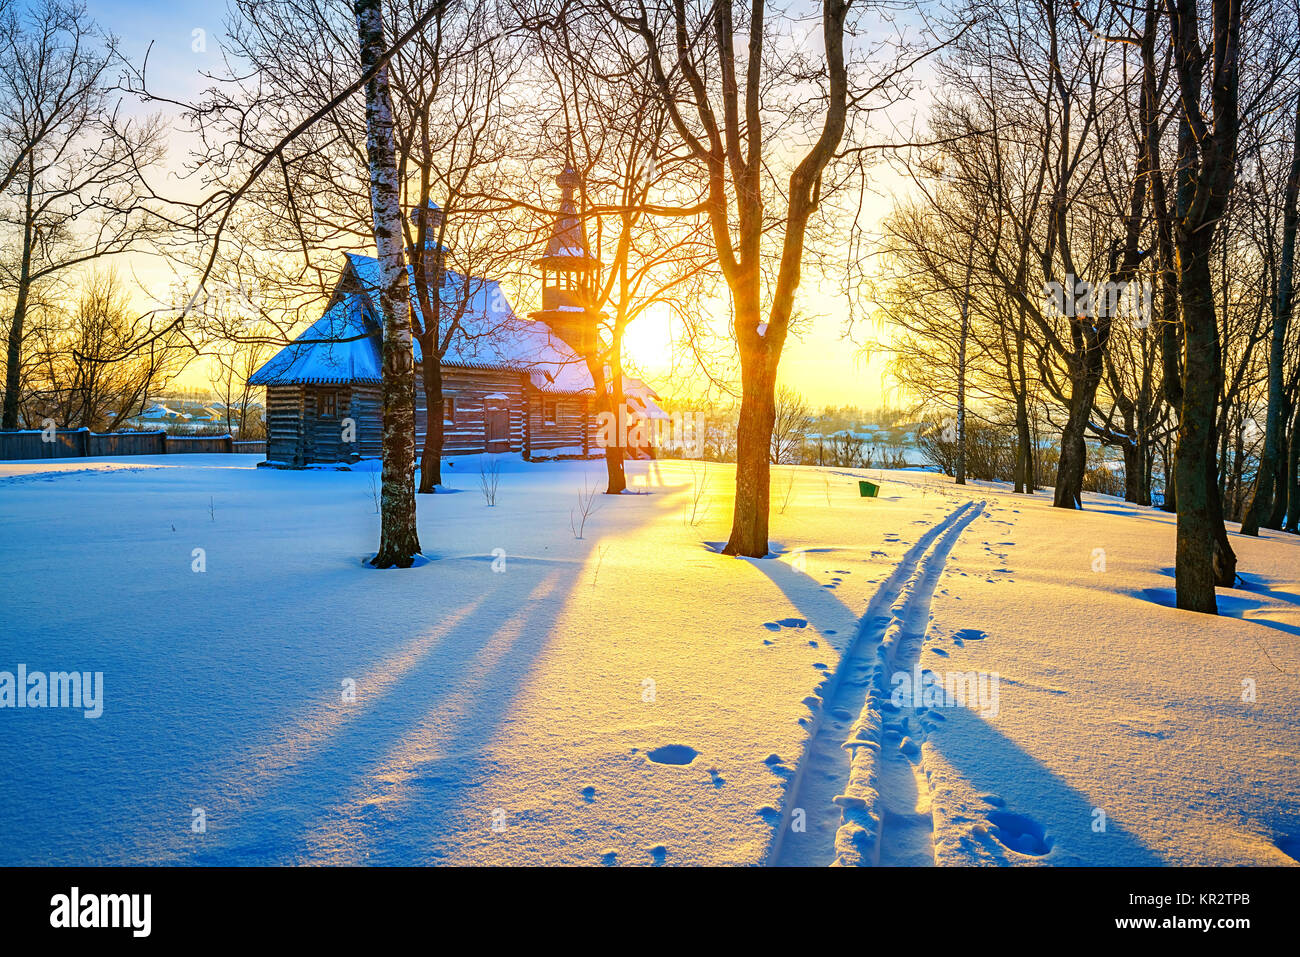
(1020, 833)
(678, 754)
(963, 635)
(659, 853)
(786, 623)
(589, 794)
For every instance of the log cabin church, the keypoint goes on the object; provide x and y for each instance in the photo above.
(509, 384)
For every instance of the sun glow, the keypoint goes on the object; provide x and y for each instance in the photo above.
(648, 342)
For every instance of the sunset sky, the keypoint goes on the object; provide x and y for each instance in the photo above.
(824, 365)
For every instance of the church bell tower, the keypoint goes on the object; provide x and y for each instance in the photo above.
(569, 274)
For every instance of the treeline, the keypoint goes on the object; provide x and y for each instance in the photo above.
(73, 194)
(991, 449)
(843, 436)
(1102, 242)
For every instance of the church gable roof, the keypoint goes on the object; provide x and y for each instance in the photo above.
(337, 348)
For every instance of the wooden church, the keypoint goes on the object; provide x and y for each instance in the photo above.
(509, 384)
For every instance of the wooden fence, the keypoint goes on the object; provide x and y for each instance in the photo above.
(78, 443)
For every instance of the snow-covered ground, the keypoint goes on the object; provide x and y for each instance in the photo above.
(630, 697)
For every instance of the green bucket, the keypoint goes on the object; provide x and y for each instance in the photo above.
(868, 489)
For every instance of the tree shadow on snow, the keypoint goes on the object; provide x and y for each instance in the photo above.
(1030, 809)
(401, 777)
(1242, 607)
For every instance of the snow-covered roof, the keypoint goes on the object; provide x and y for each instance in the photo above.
(341, 346)
(491, 336)
(344, 344)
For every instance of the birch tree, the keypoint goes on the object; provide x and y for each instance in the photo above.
(399, 541)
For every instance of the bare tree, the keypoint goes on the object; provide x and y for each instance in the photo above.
(1206, 173)
(82, 368)
(71, 181)
(720, 77)
(449, 87)
(789, 425)
(232, 365)
(1261, 509)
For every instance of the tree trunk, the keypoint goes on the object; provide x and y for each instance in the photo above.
(959, 470)
(753, 475)
(399, 541)
(615, 478)
(1281, 485)
(1206, 173)
(1132, 472)
(1024, 448)
(1074, 454)
(1171, 334)
(1234, 498)
(1170, 503)
(1224, 562)
(13, 369)
(1145, 461)
(431, 454)
(749, 521)
(1293, 475)
(1195, 458)
(614, 473)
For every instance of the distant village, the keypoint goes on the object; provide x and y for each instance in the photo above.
(190, 413)
(845, 436)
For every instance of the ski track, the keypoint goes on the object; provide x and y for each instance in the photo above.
(861, 805)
